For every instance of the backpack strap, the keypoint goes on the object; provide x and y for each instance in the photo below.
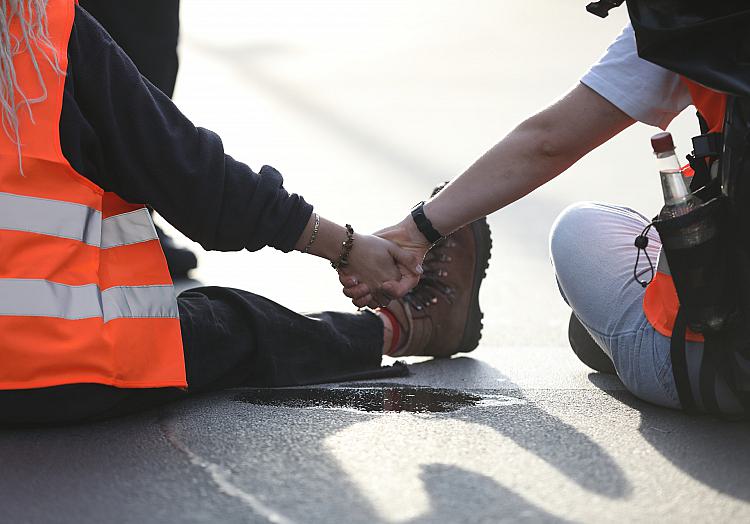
(679, 363)
(708, 374)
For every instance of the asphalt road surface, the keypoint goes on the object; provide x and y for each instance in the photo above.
(365, 106)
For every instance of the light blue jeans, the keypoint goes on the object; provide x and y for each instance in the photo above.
(591, 246)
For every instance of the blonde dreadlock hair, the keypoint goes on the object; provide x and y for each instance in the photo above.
(32, 39)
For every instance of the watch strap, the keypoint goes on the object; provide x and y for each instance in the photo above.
(423, 223)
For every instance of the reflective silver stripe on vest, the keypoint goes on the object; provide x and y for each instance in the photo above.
(74, 221)
(128, 228)
(50, 217)
(139, 302)
(42, 298)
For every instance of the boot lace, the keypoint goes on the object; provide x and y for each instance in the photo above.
(431, 287)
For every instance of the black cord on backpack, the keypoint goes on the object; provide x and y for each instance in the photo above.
(641, 242)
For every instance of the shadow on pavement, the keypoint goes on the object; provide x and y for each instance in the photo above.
(121, 470)
(532, 428)
(483, 499)
(211, 458)
(280, 457)
(712, 451)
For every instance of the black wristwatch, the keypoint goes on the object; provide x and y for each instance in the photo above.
(423, 223)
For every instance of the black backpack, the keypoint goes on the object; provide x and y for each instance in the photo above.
(709, 248)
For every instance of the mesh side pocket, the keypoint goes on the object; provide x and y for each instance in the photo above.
(697, 250)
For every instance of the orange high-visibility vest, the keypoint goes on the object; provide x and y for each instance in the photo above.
(85, 293)
(660, 303)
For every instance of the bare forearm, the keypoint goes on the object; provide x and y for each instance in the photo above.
(533, 153)
(510, 170)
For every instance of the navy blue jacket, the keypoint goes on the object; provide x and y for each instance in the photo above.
(126, 136)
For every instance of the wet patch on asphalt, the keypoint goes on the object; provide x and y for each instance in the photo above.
(394, 398)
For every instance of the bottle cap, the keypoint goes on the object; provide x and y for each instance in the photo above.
(662, 142)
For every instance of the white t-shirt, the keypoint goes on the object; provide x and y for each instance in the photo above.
(644, 91)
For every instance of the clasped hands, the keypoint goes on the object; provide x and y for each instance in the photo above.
(384, 266)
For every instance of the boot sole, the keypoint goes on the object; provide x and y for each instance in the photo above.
(483, 242)
(586, 348)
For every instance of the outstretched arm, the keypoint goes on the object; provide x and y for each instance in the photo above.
(126, 136)
(539, 149)
(533, 153)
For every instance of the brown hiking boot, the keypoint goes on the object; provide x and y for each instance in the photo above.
(441, 316)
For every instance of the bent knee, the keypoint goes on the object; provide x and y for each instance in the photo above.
(589, 225)
(570, 231)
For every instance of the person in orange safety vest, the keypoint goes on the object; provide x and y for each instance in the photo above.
(616, 325)
(90, 323)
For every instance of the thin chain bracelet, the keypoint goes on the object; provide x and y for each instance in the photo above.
(346, 249)
(316, 227)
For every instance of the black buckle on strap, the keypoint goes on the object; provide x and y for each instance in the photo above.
(707, 145)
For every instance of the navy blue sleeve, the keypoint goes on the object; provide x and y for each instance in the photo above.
(126, 136)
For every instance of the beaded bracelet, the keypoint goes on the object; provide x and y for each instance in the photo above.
(316, 227)
(346, 249)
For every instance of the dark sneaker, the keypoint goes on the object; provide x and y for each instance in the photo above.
(441, 316)
(586, 348)
(179, 259)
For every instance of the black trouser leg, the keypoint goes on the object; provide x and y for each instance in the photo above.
(231, 338)
(236, 338)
